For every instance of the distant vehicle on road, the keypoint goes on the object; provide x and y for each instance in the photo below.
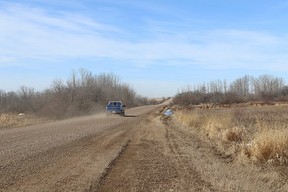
(115, 107)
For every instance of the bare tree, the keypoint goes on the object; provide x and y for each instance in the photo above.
(72, 86)
(241, 86)
(268, 85)
(25, 99)
(264, 88)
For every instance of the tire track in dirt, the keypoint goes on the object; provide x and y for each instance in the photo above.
(192, 179)
(109, 167)
(154, 161)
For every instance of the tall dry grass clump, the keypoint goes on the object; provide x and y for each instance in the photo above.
(11, 120)
(236, 134)
(270, 146)
(258, 134)
(212, 123)
(192, 119)
(7, 120)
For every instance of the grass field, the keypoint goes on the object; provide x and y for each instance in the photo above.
(249, 134)
(11, 120)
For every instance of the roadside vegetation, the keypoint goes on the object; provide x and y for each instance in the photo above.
(8, 120)
(82, 93)
(265, 89)
(248, 134)
(246, 120)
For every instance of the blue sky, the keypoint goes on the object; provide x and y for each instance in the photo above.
(157, 46)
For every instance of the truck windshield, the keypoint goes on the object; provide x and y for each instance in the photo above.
(114, 104)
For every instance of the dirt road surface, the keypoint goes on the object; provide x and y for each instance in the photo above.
(140, 152)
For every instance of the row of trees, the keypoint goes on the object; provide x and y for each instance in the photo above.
(82, 93)
(264, 88)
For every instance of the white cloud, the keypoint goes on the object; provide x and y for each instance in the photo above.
(33, 33)
(30, 33)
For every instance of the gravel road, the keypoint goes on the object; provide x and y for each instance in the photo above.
(44, 157)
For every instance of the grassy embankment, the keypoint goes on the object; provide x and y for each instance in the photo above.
(248, 134)
(11, 120)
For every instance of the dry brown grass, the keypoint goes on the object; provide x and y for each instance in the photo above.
(11, 120)
(270, 146)
(234, 135)
(258, 134)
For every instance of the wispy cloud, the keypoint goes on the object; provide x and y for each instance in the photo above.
(243, 49)
(35, 33)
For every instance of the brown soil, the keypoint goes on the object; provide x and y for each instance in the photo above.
(140, 152)
(163, 156)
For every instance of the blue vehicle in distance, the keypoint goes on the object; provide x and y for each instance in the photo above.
(115, 107)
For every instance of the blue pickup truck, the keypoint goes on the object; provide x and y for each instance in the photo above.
(115, 107)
